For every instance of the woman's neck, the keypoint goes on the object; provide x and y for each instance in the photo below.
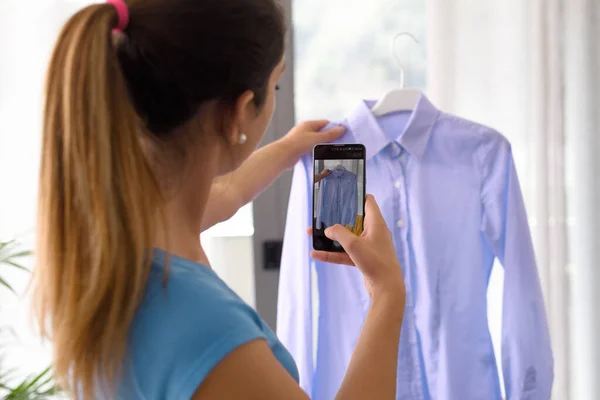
(179, 232)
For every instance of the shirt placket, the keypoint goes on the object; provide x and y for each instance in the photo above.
(411, 376)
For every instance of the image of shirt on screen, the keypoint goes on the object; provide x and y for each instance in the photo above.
(337, 201)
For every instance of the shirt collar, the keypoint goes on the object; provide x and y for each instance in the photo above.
(413, 139)
(338, 172)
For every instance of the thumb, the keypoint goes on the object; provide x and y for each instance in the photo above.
(333, 133)
(373, 215)
(343, 236)
(315, 125)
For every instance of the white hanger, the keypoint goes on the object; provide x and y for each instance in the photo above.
(398, 99)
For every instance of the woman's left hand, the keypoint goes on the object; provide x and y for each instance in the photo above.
(301, 139)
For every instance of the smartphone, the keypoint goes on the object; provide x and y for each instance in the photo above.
(338, 191)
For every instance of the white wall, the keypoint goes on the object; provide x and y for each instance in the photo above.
(24, 49)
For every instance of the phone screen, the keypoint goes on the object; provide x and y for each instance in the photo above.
(338, 191)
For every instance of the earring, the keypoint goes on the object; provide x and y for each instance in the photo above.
(242, 139)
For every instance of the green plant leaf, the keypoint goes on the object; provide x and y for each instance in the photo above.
(6, 244)
(22, 253)
(39, 386)
(16, 265)
(5, 248)
(10, 253)
(7, 285)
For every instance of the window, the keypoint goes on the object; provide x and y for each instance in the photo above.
(343, 52)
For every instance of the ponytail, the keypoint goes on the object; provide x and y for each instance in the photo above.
(98, 202)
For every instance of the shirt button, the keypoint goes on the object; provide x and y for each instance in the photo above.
(400, 223)
(398, 184)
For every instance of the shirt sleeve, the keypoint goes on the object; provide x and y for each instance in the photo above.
(527, 360)
(294, 306)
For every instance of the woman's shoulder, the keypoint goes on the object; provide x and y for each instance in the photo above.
(191, 298)
(188, 321)
(174, 279)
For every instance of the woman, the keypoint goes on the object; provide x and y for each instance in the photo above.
(148, 139)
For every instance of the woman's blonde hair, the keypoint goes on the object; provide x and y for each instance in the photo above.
(98, 195)
(97, 200)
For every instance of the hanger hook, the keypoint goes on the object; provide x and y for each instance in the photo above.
(395, 53)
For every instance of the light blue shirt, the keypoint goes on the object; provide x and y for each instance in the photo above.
(449, 192)
(184, 329)
(338, 199)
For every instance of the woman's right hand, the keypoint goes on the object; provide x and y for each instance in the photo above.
(372, 253)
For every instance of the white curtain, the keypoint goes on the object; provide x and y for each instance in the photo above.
(582, 118)
(527, 69)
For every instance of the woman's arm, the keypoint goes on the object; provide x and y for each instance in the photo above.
(377, 345)
(258, 375)
(323, 174)
(371, 373)
(232, 191)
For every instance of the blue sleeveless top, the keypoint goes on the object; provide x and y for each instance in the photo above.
(182, 331)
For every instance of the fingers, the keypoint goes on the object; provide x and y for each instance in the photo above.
(331, 257)
(315, 125)
(333, 133)
(343, 236)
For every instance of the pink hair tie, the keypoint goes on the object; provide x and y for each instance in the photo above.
(123, 14)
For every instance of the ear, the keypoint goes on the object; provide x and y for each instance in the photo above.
(243, 113)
